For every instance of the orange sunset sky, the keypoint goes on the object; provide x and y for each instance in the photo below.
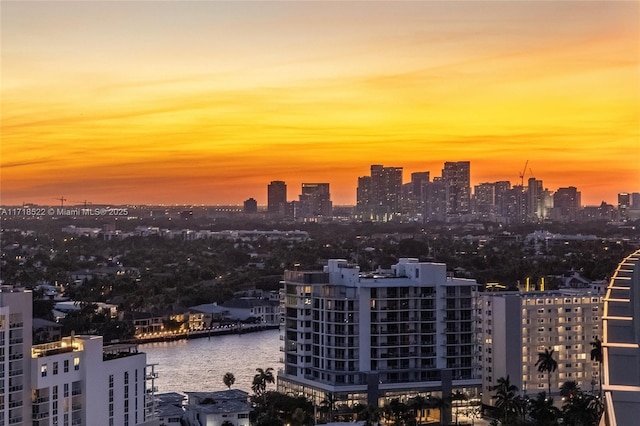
(206, 102)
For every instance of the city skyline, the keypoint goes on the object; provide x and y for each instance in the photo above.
(208, 102)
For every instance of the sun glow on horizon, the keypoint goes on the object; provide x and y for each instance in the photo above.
(207, 102)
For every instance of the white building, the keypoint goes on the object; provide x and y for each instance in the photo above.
(78, 382)
(515, 327)
(367, 338)
(215, 408)
(15, 345)
(74, 381)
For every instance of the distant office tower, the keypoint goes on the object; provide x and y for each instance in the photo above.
(370, 338)
(276, 197)
(484, 200)
(315, 201)
(457, 178)
(363, 198)
(435, 201)
(502, 189)
(624, 204)
(566, 204)
(15, 356)
(518, 326)
(413, 196)
(514, 204)
(535, 200)
(635, 201)
(381, 193)
(251, 206)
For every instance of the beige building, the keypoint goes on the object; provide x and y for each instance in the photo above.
(514, 327)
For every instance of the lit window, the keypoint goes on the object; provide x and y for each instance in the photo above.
(76, 363)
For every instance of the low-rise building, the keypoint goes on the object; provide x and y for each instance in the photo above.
(216, 408)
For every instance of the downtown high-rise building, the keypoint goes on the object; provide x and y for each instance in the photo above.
(456, 176)
(380, 195)
(413, 195)
(315, 202)
(276, 197)
(566, 204)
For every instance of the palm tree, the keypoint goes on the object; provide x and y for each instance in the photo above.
(443, 405)
(328, 404)
(569, 389)
(260, 381)
(505, 398)
(417, 404)
(581, 410)
(547, 364)
(597, 355)
(229, 379)
(543, 411)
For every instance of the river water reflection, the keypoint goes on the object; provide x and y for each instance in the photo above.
(198, 365)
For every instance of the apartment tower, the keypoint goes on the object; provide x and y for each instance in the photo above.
(367, 338)
(516, 326)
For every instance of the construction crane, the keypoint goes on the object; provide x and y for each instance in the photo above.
(523, 173)
(62, 200)
(85, 202)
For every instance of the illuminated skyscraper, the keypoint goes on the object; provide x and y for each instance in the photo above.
(457, 178)
(380, 195)
(315, 201)
(624, 203)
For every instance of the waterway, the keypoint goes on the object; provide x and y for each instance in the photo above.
(197, 365)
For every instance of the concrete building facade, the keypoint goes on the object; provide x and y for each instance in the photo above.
(15, 347)
(514, 327)
(366, 338)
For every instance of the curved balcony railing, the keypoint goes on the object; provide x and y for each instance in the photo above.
(620, 345)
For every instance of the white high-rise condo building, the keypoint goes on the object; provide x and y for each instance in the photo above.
(15, 347)
(72, 382)
(366, 338)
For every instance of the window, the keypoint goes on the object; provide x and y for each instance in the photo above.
(55, 368)
(43, 370)
(76, 363)
(66, 365)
